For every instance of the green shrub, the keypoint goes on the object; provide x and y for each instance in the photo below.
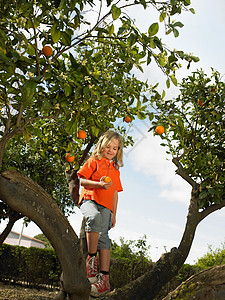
(32, 266)
(211, 258)
(129, 260)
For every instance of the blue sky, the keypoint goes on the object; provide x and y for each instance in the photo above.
(155, 200)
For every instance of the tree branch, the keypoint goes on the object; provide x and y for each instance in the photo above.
(212, 208)
(181, 171)
(36, 47)
(86, 150)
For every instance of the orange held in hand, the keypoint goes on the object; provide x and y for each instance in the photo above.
(127, 119)
(159, 129)
(81, 134)
(107, 179)
(47, 50)
(70, 158)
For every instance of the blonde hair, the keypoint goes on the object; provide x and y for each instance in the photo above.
(104, 141)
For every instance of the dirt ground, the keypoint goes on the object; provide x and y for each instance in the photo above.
(11, 292)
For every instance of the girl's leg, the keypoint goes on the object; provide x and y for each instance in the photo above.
(92, 241)
(104, 259)
(104, 242)
(102, 286)
(93, 225)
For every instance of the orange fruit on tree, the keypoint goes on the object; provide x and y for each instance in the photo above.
(47, 50)
(70, 158)
(107, 179)
(127, 119)
(81, 134)
(159, 129)
(201, 103)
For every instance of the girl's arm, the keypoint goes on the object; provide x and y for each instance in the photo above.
(115, 202)
(90, 184)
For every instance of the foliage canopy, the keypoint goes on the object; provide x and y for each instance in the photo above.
(87, 83)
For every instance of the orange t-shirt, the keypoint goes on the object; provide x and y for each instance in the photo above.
(94, 169)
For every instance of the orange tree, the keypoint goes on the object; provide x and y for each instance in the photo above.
(194, 137)
(84, 80)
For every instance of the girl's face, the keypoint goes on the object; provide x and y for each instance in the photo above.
(110, 151)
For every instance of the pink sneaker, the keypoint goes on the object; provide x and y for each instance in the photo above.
(101, 287)
(92, 268)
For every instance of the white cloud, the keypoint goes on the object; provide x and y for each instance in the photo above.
(148, 157)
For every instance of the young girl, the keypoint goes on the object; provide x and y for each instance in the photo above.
(98, 203)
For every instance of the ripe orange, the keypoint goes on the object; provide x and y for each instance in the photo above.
(70, 158)
(107, 179)
(159, 129)
(201, 103)
(47, 50)
(81, 134)
(127, 119)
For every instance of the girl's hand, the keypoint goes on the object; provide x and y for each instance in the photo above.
(105, 185)
(113, 220)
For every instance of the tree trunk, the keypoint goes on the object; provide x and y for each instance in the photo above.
(28, 198)
(83, 239)
(14, 216)
(208, 284)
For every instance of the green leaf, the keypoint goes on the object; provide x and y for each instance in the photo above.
(4, 36)
(131, 40)
(192, 10)
(121, 30)
(175, 32)
(138, 104)
(172, 58)
(168, 83)
(212, 191)
(86, 91)
(162, 61)
(151, 116)
(173, 79)
(108, 2)
(68, 90)
(95, 130)
(153, 29)
(178, 24)
(152, 43)
(141, 115)
(111, 29)
(76, 21)
(48, 75)
(162, 16)
(149, 58)
(203, 194)
(73, 61)
(31, 50)
(116, 11)
(55, 33)
(187, 2)
(28, 90)
(66, 38)
(143, 2)
(4, 58)
(202, 203)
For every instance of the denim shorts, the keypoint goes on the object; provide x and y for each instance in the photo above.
(98, 219)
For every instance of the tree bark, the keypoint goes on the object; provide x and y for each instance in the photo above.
(14, 216)
(26, 197)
